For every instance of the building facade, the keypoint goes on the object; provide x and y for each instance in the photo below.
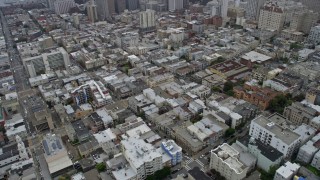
(271, 17)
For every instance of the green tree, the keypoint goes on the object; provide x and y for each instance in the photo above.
(215, 89)
(278, 103)
(229, 132)
(161, 174)
(228, 86)
(101, 166)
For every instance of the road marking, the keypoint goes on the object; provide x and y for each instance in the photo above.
(189, 161)
(202, 169)
(199, 162)
(187, 167)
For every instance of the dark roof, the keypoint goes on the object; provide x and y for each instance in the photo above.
(196, 173)
(80, 128)
(266, 150)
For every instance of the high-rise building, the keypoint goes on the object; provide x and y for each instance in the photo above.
(175, 5)
(271, 17)
(132, 4)
(311, 4)
(92, 11)
(224, 8)
(252, 8)
(105, 8)
(314, 35)
(63, 6)
(147, 20)
(303, 21)
(120, 6)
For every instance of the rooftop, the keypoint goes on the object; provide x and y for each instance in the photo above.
(285, 135)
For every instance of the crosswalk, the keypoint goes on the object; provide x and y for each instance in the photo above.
(187, 162)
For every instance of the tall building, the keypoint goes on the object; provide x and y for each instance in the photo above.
(311, 4)
(105, 9)
(270, 133)
(224, 8)
(63, 6)
(271, 17)
(147, 20)
(175, 5)
(92, 11)
(303, 21)
(314, 35)
(252, 8)
(37, 65)
(120, 6)
(225, 160)
(132, 4)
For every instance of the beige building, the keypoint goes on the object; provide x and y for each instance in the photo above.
(92, 11)
(292, 35)
(298, 113)
(225, 160)
(271, 17)
(303, 21)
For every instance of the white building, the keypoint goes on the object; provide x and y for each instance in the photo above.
(147, 19)
(314, 35)
(142, 157)
(284, 140)
(173, 150)
(106, 140)
(63, 6)
(287, 171)
(38, 65)
(271, 17)
(15, 127)
(225, 160)
(307, 152)
(175, 5)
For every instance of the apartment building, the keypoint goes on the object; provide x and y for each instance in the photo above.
(314, 35)
(225, 160)
(271, 17)
(270, 133)
(175, 5)
(313, 96)
(92, 11)
(54, 60)
(142, 157)
(287, 171)
(173, 150)
(299, 113)
(63, 6)
(303, 20)
(147, 20)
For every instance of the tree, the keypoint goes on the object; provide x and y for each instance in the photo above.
(278, 103)
(161, 174)
(299, 98)
(215, 89)
(227, 86)
(295, 46)
(101, 166)
(229, 132)
(64, 177)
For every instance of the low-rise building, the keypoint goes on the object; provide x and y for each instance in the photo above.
(173, 150)
(106, 140)
(299, 113)
(56, 155)
(287, 171)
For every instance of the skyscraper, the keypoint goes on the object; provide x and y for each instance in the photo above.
(253, 8)
(132, 4)
(175, 5)
(271, 17)
(105, 8)
(147, 20)
(120, 6)
(63, 6)
(92, 11)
